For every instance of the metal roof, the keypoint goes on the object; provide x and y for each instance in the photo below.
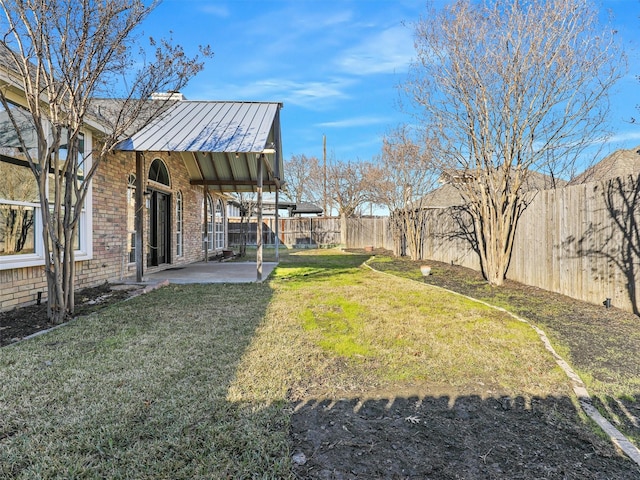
(219, 142)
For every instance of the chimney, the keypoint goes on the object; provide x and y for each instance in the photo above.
(167, 96)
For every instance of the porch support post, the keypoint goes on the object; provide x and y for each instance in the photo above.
(260, 159)
(277, 226)
(206, 223)
(139, 216)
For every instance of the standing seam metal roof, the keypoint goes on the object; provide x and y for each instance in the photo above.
(219, 142)
(203, 126)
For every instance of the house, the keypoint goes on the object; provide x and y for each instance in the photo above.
(619, 163)
(449, 195)
(194, 150)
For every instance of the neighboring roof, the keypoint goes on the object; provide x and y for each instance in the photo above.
(618, 164)
(442, 197)
(305, 208)
(448, 195)
(533, 181)
(218, 142)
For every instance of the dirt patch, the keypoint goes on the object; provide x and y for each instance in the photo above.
(444, 438)
(21, 322)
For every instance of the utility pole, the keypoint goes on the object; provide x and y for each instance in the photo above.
(324, 170)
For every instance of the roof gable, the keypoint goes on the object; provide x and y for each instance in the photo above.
(617, 164)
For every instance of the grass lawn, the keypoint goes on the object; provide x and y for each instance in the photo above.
(601, 344)
(196, 381)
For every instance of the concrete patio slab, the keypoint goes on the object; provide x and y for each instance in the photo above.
(212, 272)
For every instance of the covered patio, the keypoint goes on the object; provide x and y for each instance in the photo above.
(226, 147)
(211, 272)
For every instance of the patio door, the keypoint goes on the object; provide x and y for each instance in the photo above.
(159, 229)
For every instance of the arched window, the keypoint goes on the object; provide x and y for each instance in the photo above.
(207, 236)
(158, 172)
(219, 225)
(179, 222)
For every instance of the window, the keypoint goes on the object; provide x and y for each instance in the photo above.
(179, 221)
(20, 216)
(18, 204)
(207, 237)
(18, 187)
(17, 229)
(78, 240)
(158, 172)
(131, 217)
(10, 145)
(219, 225)
(233, 210)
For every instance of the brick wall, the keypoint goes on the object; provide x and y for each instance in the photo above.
(110, 256)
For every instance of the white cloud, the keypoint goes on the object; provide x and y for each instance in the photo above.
(389, 51)
(628, 136)
(221, 11)
(358, 150)
(313, 95)
(361, 121)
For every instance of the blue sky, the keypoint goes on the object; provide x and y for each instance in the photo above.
(335, 64)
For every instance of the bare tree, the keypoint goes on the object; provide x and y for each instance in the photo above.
(403, 177)
(512, 89)
(349, 185)
(63, 54)
(247, 203)
(304, 179)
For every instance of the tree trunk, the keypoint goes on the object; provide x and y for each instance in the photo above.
(343, 229)
(495, 231)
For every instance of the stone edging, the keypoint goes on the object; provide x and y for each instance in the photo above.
(577, 384)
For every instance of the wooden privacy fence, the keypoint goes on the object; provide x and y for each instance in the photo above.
(582, 241)
(368, 231)
(318, 232)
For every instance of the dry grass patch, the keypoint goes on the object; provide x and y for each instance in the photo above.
(344, 330)
(139, 391)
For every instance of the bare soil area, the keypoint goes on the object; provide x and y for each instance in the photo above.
(443, 438)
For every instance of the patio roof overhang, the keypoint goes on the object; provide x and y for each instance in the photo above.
(225, 146)
(220, 143)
